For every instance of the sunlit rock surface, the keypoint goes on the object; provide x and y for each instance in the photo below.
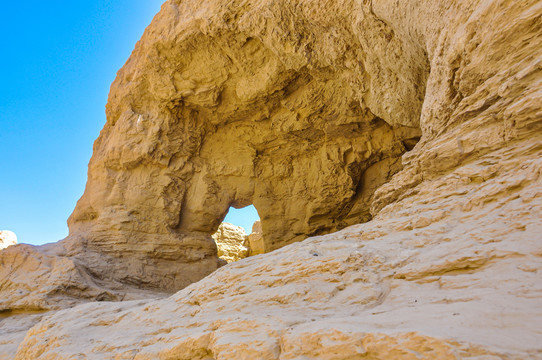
(231, 241)
(255, 239)
(451, 271)
(230, 104)
(7, 238)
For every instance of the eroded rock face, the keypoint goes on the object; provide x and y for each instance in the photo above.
(7, 238)
(451, 271)
(304, 109)
(245, 104)
(231, 241)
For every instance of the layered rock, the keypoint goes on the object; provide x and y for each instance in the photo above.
(305, 109)
(231, 241)
(7, 238)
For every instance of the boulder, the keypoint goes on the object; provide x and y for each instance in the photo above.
(255, 241)
(231, 240)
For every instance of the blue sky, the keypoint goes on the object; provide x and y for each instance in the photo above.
(244, 217)
(57, 62)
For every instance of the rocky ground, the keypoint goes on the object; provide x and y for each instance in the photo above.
(450, 272)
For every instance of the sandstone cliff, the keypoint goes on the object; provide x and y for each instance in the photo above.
(421, 119)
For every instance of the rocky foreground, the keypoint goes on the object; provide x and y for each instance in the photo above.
(450, 272)
(415, 127)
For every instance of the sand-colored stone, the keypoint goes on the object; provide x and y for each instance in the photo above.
(36, 279)
(450, 272)
(255, 241)
(306, 109)
(7, 238)
(13, 329)
(231, 241)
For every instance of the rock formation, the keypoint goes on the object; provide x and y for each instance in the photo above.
(255, 241)
(7, 238)
(230, 110)
(421, 119)
(231, 242)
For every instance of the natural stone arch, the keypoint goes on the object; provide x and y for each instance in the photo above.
(406, 65)
(305, 113)
(199, 122)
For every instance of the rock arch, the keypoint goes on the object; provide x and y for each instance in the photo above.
(302, 108)
(304, 113)
(198, 123)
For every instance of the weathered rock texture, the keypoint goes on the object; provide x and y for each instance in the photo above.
(13, 329)
(231, 241)
(229, 103)
(255, 239)
(7, 238)
(306, 109)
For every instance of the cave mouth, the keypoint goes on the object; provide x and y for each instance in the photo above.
(233, 236)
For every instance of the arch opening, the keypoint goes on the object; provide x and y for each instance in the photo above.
(243, 217)
(239, 235)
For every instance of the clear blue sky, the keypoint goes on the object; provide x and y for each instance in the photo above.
(244, 217)
(57, 62)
